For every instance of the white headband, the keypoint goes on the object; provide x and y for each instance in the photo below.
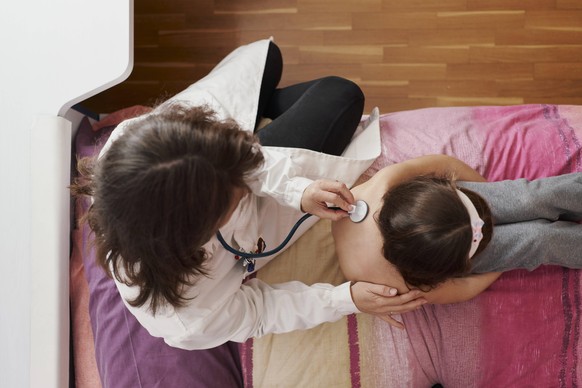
(476, 222)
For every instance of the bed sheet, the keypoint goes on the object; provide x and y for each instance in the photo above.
(523, 331)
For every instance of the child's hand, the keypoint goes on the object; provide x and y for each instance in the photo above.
(321, 192)
(383, 301)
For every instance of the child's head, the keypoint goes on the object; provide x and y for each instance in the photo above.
(427, 230)
(160, 192)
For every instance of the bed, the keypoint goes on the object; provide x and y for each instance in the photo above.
(522, 331)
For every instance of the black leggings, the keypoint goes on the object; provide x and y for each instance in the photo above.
(319, 115)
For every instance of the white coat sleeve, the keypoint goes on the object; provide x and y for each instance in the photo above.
(258, 308)
(279, 177)
(221, 309)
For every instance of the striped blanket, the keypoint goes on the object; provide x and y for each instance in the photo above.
(523, 331)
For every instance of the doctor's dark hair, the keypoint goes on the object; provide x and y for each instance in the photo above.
(160, 192)
(427, 230)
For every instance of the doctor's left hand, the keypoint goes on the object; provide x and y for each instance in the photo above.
(321, 192)
(384, 301)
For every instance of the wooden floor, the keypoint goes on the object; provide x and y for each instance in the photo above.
(405, 54)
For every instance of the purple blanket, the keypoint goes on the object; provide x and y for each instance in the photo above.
(126, 355)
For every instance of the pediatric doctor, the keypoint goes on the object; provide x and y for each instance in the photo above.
(203, 162)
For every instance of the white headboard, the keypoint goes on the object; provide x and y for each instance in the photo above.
(56, 54)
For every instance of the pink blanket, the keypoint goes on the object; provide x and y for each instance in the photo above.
(525, 329)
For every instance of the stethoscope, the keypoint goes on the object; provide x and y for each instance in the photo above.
(357, 214)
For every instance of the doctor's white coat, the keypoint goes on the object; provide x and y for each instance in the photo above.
(222, 308)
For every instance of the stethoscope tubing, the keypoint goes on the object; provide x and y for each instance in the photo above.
(251, 255)
(277, 249)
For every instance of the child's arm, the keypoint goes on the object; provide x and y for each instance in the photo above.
(461, 289)
(425, 165)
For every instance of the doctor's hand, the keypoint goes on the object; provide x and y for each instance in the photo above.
(383, 301)
(321, 192)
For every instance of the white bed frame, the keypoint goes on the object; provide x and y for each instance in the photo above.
(57, 54)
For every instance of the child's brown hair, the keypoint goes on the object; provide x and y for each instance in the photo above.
(427, 231)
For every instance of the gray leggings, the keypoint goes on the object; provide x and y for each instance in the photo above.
(536, 222)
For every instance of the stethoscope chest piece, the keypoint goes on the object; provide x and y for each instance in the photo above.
(360, 211)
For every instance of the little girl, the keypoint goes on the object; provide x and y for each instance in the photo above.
(452, 239)
(434, 230)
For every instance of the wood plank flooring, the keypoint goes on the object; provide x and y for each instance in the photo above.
(404, 54)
